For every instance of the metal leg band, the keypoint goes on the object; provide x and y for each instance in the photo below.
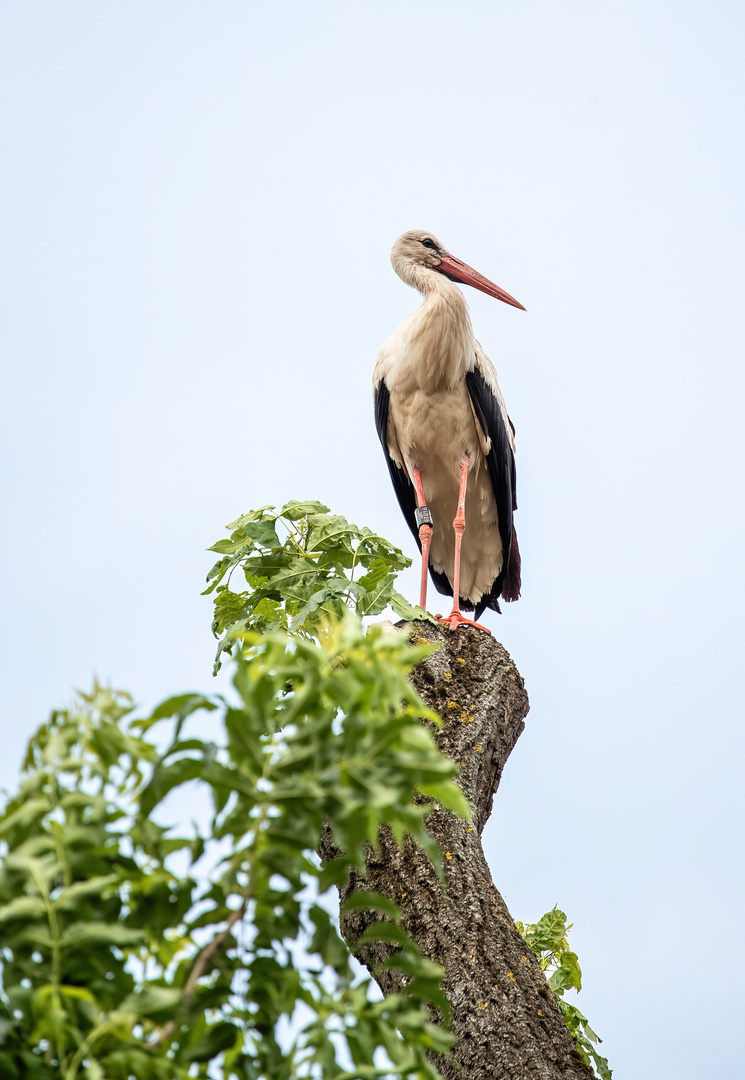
(423, 516)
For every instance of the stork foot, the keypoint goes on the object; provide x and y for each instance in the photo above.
(455, 619)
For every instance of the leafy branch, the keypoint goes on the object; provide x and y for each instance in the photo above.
(299, 566)
(547, 939)
(146, 974)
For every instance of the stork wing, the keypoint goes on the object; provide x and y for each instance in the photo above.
(402, 485)
(496, 425)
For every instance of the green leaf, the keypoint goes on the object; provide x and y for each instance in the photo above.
(23, 907)
(568, 975)
(384, 931)
(79, 993)
(549, 933)
(310, 607)
(71, 896)
(365, 899)
(152, 1000)
(181, 706)
(264, 533)
(218, 1038)
(448, 795)
(377, 597)
(252, 515)
(326, 941)
(78, 934)
(379, 571)
(230, 547)
(166, 777)
(409, 612)
(30, 810)
(295, 510)
(230, 608)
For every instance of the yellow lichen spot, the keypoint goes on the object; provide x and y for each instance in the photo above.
(470, 719)
(419, 641)
(524, 959)
(448, 855)
(511, 976)
(463, 717)
(477, 749)
(539, 1012)
(470, 828)
(453, 705)
(460, 660)
(404, 895)
(485, 1005)
(448, 675)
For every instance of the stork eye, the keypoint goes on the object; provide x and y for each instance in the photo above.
(430, 244)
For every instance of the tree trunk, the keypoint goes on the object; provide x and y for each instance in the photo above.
(504, 1014)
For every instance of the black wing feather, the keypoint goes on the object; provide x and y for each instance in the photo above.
(402, 485)
(500, 462)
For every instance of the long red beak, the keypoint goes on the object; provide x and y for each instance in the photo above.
(460, 271)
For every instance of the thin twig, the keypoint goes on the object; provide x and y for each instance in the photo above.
(201, 962)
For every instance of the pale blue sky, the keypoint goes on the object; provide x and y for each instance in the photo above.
(199, 201)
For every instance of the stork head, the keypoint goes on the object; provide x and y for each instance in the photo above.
(419, 250)
(417, 247)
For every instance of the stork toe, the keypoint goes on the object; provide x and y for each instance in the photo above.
(455, 619)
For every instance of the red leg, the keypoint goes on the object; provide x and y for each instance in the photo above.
(425, 537)
(455, 618)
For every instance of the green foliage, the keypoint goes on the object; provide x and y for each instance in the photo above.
(302, 566)
(131, 950)
(548, 940)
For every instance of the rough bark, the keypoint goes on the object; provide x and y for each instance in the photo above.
(503, 1013)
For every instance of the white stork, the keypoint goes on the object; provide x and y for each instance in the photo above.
(448, 440)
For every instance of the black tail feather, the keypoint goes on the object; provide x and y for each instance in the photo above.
(512, 582)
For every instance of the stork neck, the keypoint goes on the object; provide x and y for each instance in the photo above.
(443, 331)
